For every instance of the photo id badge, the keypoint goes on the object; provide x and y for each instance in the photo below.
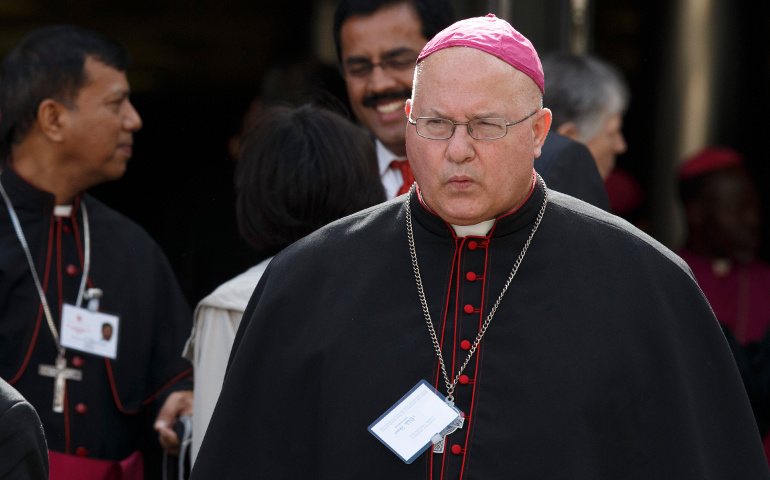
(415, 422)
(88, 331)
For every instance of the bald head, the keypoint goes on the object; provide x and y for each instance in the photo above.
(527, 92)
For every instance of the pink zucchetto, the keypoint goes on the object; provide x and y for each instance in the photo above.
(494, 36)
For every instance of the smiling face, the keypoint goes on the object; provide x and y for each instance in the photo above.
(392, 35)
(99, 128)
(463, 180)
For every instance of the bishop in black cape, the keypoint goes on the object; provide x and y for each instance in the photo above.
(603, 361)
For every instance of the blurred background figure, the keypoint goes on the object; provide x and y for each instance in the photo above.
(298, 169)
(627, 198)
(588, 98)
(568, 167)
(377, 43)
(723, 216)
(723, 222)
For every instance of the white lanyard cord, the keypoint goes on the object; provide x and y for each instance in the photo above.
(25, 246)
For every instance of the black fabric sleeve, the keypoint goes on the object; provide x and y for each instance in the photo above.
(23, 451)
(568, 167)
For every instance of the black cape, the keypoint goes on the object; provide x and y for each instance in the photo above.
(108, 413)
(23, 452)
(568, 167)
(604, 360)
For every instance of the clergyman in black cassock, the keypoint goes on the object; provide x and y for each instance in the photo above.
(107, 412)
(576, 346)
(603, 360)
(67, 124)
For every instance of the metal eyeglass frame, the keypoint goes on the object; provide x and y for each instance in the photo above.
(468, 125)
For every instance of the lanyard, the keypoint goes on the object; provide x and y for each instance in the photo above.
(25, 246)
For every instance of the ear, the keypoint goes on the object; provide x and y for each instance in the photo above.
(50, 119)
(540, 129)
(569, 130)
(408, 107)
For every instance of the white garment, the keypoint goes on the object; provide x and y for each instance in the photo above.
(215, 323)
(478, 230)
(391, 177)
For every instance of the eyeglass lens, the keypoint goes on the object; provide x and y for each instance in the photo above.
(479, 128)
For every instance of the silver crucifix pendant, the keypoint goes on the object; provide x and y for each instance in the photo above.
(61, 374)
(438, 447)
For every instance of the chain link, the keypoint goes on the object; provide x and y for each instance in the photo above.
(450, 386)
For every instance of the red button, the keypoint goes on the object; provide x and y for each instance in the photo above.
(66, 229)
(468, 308)
(457, 449)
(81, 408)
(464, 379)
(82, 452)
(473, 245)
(71, 269)
(465, 345)
(470, 276)
(77, 362)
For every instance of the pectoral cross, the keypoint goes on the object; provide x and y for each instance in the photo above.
(438, 447)
(61, 374)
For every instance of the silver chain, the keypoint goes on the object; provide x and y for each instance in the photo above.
(450, 386)
(25, 246)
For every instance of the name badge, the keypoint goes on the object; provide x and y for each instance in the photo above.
(417, 421)
(88, 331)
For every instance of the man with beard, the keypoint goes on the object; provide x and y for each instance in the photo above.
(377, 44)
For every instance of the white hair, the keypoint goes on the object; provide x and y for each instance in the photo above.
(583, 90)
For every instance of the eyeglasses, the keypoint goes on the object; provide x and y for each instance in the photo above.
(361, 68)
(435, 128)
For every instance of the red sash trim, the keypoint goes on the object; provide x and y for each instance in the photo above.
(71, 467)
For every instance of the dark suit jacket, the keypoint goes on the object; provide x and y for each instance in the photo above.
(568, 167)
(23, 451)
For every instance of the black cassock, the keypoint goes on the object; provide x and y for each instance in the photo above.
(107, 415)
(604, 360)
(568, 167)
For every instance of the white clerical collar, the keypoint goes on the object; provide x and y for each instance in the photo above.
(478, 230)
(62, 210)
